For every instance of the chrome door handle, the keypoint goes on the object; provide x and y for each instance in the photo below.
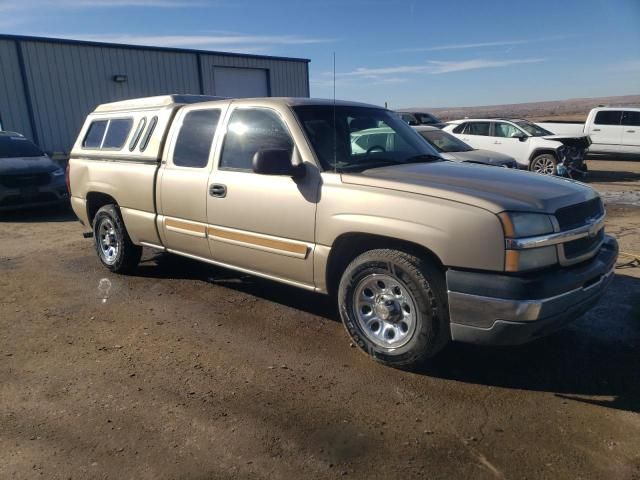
(497, 143)
(631, 131)
(218, 190)
(596, 130)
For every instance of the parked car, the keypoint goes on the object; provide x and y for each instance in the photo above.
(28, 177)
(452, 148)
(421, 118)
(611, 129)
(416, 251)
(533, 147)
(447, 146)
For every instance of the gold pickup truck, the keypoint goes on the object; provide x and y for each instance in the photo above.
(416, 250)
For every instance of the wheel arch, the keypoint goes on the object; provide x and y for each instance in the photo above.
(95, 201)
(542, 151)
(348, 246)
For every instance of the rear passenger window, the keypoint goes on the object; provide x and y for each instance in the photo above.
(93, 138)
(137, 134)
(117, 133)
(477, 128)
(195, 138)
(631, 119)
(459, 128)
(251, 130)
(147, 135)
(608, 117)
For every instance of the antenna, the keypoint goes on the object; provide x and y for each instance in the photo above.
(335, 127)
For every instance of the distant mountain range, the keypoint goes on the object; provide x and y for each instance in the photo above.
(571, 109)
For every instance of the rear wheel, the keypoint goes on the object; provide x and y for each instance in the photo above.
(545, 164)
(115, 249)
(393, 305)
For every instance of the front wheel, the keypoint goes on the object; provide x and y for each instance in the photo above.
(544, 164)
(394, 307)
(115, 249)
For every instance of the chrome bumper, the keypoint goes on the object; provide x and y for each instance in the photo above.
(494, 320)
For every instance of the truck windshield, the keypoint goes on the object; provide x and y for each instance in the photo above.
(13, 147)
(532, 129)
(352, 138)
(444, 142)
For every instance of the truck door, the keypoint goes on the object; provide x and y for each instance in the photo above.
(261, 223)
(606, 128)
(183, 183)
(631, 129)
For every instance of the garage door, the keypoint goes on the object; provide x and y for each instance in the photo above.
(240, 82)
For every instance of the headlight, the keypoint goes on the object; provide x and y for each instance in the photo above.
(58, 172)
(518, 224)
(521, 225)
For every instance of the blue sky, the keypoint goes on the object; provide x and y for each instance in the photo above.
(406, 53)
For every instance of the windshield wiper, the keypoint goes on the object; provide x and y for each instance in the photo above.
(372, 164)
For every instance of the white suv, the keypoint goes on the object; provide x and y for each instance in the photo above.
(533, 147)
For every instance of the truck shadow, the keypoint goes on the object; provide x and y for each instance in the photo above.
(613, 157)
(607, 176)
(163, 265)
(598, 356)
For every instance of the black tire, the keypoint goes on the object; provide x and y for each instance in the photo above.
(424, 282)
(127, 256)
(545, 164)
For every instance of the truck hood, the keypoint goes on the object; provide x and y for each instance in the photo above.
(27, 165)
(494, 189)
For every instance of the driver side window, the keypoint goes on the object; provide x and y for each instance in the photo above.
(250, 130)
(505, 130)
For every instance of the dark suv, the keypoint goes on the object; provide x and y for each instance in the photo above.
(421, 118)
(28, 177)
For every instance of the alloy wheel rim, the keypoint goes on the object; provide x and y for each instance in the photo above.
(385, 310)
(108, 243)
(544, 165)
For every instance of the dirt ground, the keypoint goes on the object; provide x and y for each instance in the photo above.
(188, 371)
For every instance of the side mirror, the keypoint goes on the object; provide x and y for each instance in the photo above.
(276, 162)
(519, 135)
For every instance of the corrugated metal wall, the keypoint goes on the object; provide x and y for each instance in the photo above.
(67, 80)
(13, 105)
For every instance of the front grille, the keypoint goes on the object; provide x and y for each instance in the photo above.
(575, 216)
(21, 181)
(582, 246)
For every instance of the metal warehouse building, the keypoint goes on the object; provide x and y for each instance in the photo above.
(48, 86)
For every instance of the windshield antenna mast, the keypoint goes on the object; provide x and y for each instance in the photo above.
(335, 154)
